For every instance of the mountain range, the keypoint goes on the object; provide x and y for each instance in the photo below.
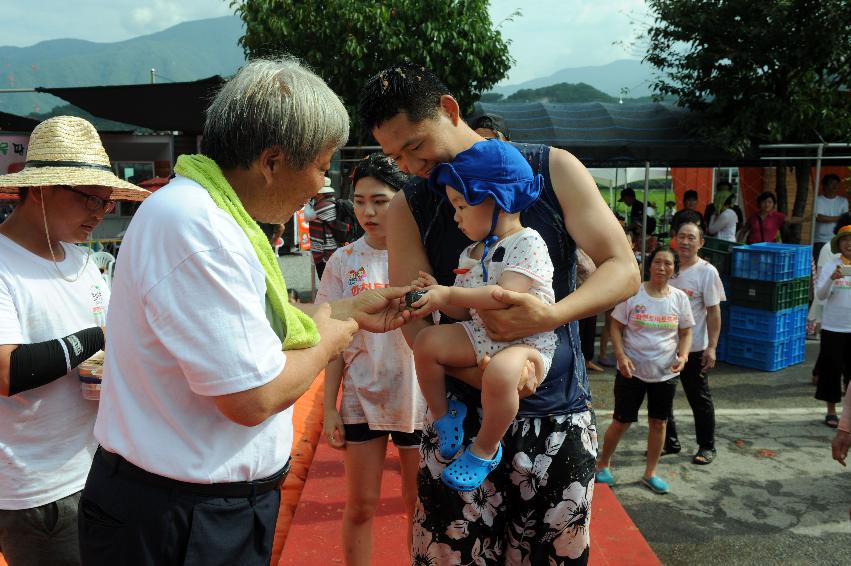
(185, 52)
(202, 48)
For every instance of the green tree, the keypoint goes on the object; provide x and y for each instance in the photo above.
(757, 72)
(561, 92)
(348, 41)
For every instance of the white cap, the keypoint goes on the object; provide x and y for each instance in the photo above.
(326, 188)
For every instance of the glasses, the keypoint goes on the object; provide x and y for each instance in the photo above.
(94, 203)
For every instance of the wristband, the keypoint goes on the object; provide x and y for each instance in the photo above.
(34, 365)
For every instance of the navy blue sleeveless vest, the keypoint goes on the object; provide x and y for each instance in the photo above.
(565, 388)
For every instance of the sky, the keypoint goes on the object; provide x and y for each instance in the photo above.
(547, 36)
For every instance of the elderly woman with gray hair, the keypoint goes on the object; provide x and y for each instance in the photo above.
(206, 355)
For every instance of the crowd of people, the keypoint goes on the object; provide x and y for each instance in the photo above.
(451, 327)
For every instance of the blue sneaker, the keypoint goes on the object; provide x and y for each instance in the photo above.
(469, 471)
(655, 484)
(604, 476)
(450, 429)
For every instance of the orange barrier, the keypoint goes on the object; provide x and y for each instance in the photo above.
(307, 427)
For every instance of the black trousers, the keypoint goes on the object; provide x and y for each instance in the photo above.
(696, 385)
(834, 361)
(587, 333)
(124, 520)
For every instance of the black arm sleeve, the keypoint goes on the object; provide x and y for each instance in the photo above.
(34, 365)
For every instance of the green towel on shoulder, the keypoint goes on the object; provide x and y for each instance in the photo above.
(300, 329)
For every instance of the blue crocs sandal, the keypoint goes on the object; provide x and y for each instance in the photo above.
(450, 429)
(604, 476)
(469, 471)
(655, 484)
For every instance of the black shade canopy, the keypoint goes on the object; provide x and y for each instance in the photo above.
(160, 107)
(603, 134)
(15, 123)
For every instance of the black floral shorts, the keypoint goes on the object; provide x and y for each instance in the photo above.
(535, 508)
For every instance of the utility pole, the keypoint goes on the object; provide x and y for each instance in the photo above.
(153, 75)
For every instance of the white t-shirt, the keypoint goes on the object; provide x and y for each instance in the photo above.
(724, 225)
(828, 207)
(651, 331)
(379, 381)
(190, 324)
(702, 284)
(836, 296)
(46, 441)
(523, 252)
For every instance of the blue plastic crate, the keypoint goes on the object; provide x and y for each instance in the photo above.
(763, 355)
(768, 326)
(721, 349)
(772, 262)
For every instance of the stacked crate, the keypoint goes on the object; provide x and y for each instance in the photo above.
(766, 322)
(720, 254)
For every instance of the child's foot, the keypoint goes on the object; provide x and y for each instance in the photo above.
(604, 476)
(469, 471)
(450, 429)
(655, 484)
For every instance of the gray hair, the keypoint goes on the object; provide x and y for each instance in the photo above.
(274, 103)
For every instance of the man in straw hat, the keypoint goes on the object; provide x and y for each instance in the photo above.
(52, 303)
(195, 425)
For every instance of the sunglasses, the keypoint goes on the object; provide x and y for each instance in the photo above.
(94, 203)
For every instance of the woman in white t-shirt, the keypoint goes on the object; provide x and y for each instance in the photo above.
(651, 335)
(380, 396)
(833, 286)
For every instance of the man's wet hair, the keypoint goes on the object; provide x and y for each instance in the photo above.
(407, 88)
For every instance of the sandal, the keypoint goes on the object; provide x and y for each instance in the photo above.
(469, 471)
(604, 476)
(450, 429)
(704, 456)
(655, 484)
(832, 421)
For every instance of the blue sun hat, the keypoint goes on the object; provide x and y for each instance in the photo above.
(490, 169)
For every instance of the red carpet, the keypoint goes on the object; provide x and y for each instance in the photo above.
(315, 536)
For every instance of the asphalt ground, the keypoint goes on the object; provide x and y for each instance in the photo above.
(773, 495)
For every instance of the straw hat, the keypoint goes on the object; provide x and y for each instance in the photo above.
(66, 150)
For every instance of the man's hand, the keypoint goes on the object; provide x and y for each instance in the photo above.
(839, 446)
(709, 358)
(625, 366)
(334, 335)
(679, 364)
(523, 316)
(381, 310)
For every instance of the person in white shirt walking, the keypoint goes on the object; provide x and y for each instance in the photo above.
(651, 334)
(53, 303)
(700, 281)
(833, 286)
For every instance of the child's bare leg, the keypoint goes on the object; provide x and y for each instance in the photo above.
(655, 439)
(500, 400)
(435, 348)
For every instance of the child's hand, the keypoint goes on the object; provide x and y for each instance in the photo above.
(625, 366)
(424, 280)
(434, 299)
(333, 423)
(837, 273)
(679, 364)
